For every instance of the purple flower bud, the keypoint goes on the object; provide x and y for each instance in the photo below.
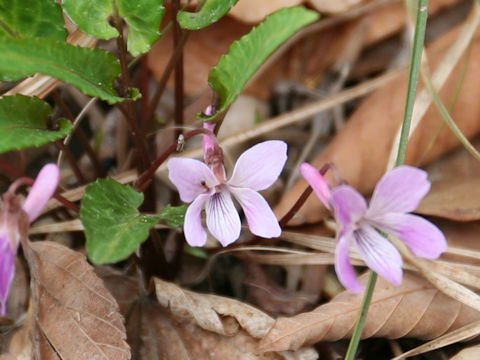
(14, 221)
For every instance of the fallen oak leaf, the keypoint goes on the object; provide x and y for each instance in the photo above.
(180, 339)
(206, 310)
(155, 332)
(75, 316)
(236, 322)
(413, 309)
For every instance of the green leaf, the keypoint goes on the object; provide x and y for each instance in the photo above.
(174, 215)
(212, 11)
(195, 251)
(23, 123)
(113, 226)
(142, 16)
(91, 16)
(245, 56)
(91, 70)
(32, 18)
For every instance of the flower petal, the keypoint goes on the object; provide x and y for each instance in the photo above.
(349, 206)
(7, 271)
(379, 254)
(343, 267)
(223, 220)
(42, 190)
(421, 236)
(400, 190)
(259, 167)
(318, 183)
(193, 229)
(260, 217)
(191, 177)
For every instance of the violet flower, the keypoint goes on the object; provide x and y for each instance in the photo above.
(14, 219)
(207, 187)
(397, 193)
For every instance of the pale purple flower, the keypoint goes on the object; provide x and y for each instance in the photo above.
(14, 217)
(207, 187)
(397, 193)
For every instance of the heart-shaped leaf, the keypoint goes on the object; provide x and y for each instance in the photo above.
(113, 226)
(142, 16)
(23, 123)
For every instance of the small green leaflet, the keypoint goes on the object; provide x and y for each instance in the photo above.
(246, 55)
(142, 16)
(195, 251)
(211, 11)
(32, 18)
(90, 70)
(174, 215)
(113, 226)
(23, 123)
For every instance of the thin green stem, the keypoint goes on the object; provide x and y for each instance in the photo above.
(448, 119)
(357, 332)
(419, 37)
(415, 62)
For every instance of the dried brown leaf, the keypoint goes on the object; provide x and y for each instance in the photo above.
(155, 333)
(75, 316)
(228, 324)
(171, 338)
(455, 182)
(469, 353)
(207, 311)
(413, 309)
(360, 150)
(460, 334)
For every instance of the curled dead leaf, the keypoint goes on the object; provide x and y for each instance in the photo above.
(413, 309)
(75, 316)
(229, 323)
(155, 332)
(207, 310)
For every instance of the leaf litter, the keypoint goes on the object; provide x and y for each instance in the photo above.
(72, 306)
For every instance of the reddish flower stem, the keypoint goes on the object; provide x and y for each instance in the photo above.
(301, 200)
(144, 178)
(178, 74)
